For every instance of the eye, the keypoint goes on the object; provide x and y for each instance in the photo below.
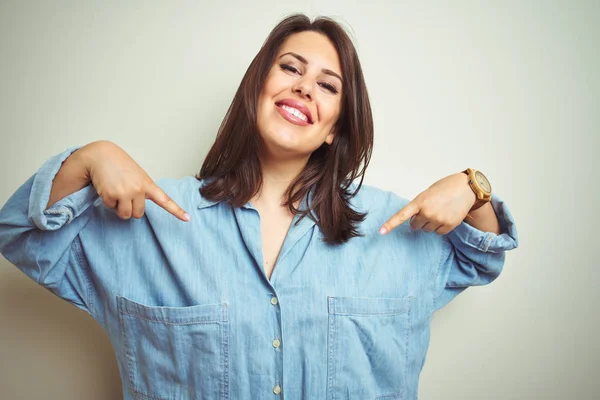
(289, 68)
(328, 87)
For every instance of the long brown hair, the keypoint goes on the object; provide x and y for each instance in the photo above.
(232, 168)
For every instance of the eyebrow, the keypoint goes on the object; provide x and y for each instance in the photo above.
(305, 61)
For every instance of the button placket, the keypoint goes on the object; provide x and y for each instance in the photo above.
(276, 343)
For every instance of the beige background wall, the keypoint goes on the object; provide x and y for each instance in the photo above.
(511, 88)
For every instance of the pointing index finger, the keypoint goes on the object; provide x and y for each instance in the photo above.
(158, 196)
(400, 217)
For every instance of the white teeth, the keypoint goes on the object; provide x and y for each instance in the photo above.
(295, 112)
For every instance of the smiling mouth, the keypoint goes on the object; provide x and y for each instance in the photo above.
(293, 115)
(295, 112)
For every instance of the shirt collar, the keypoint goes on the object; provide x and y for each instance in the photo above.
(205, 203)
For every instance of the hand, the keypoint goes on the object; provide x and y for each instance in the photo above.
(440, 208)
(121, 183)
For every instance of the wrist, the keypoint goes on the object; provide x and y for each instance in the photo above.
(469, 194)
(77, 166)
(87, 156)
(474, 214)
(480, 187)
(70, 178)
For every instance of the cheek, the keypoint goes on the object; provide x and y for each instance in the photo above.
(265, 97)
(274, 83)
(330, 113)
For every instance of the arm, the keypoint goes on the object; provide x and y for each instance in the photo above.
(473, 257)
(40, 241)
(472, 249)
(71, 177)
(484, 219)
(118, 179)
(442, 207)
(41, 222)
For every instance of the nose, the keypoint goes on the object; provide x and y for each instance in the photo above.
(302, 88)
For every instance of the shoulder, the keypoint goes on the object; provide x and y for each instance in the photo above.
(184, 191)
(179, 185)
(380, 205)
(371, 199)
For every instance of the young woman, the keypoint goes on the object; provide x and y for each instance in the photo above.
(279, 276)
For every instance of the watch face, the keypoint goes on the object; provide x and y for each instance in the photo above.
(483, 182)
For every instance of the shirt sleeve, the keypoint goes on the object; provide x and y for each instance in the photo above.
(42, 243)
(470, 257)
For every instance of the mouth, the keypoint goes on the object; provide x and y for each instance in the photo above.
(295, 112)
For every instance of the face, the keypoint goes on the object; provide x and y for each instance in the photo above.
(301, 97)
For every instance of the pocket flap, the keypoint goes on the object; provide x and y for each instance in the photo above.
(368, 306)
(205, 313)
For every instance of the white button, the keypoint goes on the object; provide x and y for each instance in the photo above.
(274, 301)
(276, 343)
(277, 389)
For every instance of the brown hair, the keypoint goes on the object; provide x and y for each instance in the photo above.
(232, 167)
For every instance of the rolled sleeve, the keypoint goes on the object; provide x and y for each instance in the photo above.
(63, 211)
(467, 236)
(471, 257)
(43, 243)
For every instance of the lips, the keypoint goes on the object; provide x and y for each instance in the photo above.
(295, 111)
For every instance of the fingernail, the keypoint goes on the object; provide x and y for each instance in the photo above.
(187, 217)
(383, 230)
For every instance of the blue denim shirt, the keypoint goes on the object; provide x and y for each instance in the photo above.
(191, 314)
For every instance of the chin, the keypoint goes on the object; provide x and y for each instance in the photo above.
(285, 143)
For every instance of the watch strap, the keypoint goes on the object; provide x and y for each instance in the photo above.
(480, 197)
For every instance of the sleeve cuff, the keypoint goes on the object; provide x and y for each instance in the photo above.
(63, 211)
(488, 241)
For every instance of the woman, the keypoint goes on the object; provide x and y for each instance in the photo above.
(282, 277)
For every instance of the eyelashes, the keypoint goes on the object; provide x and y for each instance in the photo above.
(286, 67)
(327, 86)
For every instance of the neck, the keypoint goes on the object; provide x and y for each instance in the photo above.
(277, 175)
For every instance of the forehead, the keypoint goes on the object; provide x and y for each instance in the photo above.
(315, 47)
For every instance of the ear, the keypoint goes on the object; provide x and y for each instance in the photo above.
(330, 137)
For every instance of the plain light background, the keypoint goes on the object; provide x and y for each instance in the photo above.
(511, 88)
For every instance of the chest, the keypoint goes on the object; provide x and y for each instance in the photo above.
(274, 228)
(237, 249)
(337, 306)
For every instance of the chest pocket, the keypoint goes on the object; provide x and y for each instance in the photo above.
(175, 353)
(367, 347)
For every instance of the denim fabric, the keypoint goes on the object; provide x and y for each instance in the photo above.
(191, 314)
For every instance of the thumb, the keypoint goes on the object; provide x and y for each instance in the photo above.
(158, 196)
(400, 217)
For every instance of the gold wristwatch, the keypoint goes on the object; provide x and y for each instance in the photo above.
(480, 186)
